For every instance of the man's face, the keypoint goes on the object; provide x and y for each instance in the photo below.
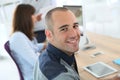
(66, 33)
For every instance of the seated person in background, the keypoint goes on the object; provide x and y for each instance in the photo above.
(57, 62)
(23, 45)
(41, 6)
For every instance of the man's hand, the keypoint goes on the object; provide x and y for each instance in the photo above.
(38, 17)
(44, 47)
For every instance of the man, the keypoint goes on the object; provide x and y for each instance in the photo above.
(57, 62)
(41, 6)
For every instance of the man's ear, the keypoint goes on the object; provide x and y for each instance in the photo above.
(48, 34)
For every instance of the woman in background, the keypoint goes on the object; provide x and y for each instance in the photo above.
(22, 42)
(41, 7)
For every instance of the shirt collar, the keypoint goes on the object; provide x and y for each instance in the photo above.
(60, 54)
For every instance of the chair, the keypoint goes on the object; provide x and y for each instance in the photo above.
(7, 48)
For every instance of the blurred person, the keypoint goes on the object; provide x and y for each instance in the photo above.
(23, 44)
(57, 62)
(41, 6)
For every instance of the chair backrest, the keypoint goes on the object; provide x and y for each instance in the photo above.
(7, 48)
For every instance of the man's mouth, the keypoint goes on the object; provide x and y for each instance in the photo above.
(74, 41)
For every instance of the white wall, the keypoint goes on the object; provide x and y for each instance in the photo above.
(6, 14)
(103, 18)
(100, 16)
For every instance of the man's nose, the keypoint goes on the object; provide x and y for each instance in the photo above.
(73, 32)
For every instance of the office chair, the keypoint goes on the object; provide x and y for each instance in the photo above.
(7, 48)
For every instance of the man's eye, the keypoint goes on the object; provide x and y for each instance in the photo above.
(76, 26)
(64, 29)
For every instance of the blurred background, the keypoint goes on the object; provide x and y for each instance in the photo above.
(99, 16)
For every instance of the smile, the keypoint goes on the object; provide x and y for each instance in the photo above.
(72, 41)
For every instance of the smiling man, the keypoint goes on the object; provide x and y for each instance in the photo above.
(57, 62)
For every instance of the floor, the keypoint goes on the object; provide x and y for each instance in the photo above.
(8, 70)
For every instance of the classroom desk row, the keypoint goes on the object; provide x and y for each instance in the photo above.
(110, 49)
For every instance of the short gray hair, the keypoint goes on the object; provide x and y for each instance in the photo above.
(48, 17)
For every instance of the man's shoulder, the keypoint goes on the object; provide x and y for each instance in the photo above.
(49, 66)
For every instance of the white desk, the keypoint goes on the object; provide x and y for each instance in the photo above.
(110, 48)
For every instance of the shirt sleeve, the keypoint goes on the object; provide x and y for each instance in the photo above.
(22, 48)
